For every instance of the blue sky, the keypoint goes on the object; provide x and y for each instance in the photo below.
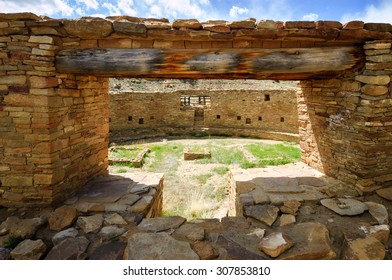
(340, 10)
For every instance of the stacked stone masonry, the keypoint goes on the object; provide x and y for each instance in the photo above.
(260, 109)
(54, 126)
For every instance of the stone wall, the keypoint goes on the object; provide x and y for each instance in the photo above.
(54, 126)
(345, 125)
(232, 110)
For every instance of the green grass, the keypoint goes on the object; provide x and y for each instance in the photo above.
(123, 164)
(225, 155)
(129, 153)
(164, 158)
(220, 170)
(274, 154)
(196, 149)
(203, 178)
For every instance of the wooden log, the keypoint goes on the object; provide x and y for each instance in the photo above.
(289, 64)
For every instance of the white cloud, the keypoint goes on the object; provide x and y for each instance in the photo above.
(177, 8)
(236, 11)
(373, 13)
(39, 7)
(126, 7)
(311, 17)
(90, 4)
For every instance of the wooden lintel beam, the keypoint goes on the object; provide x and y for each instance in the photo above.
(284, 64)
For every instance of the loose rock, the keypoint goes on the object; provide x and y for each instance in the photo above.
(114, 219)
(385, 193)
(290, 207)
(287, 219)
(22, 228)
(29, 250)
(264, 213)
(110, 232)
(69, 249)
(311, 242)
(90, 223)
(275, 244)
(379, 212)
(62, 218)
(345, 206)
(68, 233)
(364, 249)
(205, 250)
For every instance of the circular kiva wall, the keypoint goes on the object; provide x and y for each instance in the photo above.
(251, 108)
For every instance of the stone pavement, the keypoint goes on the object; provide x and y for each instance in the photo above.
(288, 212)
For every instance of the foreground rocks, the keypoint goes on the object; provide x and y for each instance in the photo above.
(102, 224)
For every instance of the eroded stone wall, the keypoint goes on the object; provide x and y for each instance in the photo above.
(270, 111)
(345, 125)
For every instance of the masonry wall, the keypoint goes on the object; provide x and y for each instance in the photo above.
(54, 128)
(345, 125)
(229, 112)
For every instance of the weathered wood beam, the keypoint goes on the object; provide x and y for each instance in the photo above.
(284, 64)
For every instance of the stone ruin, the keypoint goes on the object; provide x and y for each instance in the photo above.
(54, 116)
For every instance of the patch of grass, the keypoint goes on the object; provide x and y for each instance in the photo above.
(196, 149)
(128, 153)
(12, 242)
(164, 158)
(225, 155)
(274, 154)
(123, 164)
(220, 170)
(122, 170)
(203, 178)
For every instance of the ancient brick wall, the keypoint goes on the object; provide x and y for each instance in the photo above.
(269, 113)
(54, 125)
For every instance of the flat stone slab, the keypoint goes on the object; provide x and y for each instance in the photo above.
(159, 246)
(345, 206)
(107, 192)
(311, 242)
(368, 248)
(263, 213)
(385, 193)
(69, 249)
(161, 223)
(279, 185)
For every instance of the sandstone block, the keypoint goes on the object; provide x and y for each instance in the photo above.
(267, 24)
(242, 24)
(187, 23)
(42, 52)
(299, 24)
(374, 90)
(356, 24)
(69, 249)
(62, 218)
(377, 46)
(13, 80)
(41, 39)
(264, 213)
(43, 82)
(373, 80)
(130, 28)
(90, 223)
(18, 181)
(88, 28)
